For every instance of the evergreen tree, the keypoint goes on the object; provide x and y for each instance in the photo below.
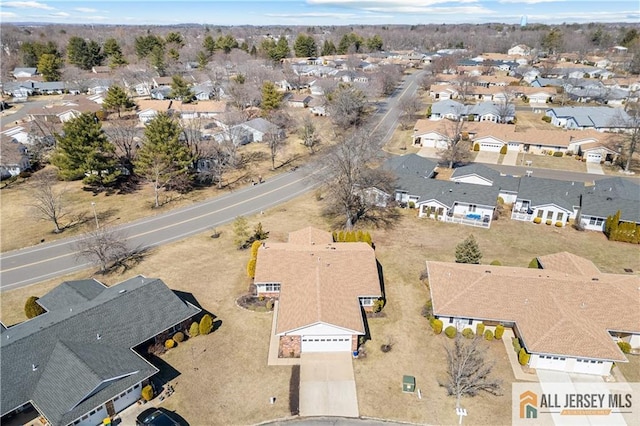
(175, 38)
(157, 59)
(145, 45)
(117, 99)
(209, 45)
(162, 159)
(180, 89)
(202, 60)
(112, 47)
(271, 98)
(305, 46)
(328, 48)
(468, 251)
(32, 51)
(84, 152)
(374, 44)
(84, 55)
(49, 66)
(226, 43)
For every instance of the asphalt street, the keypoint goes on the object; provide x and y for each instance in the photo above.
(34, 264)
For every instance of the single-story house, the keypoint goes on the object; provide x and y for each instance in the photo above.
(299, 100)
(259, 128)
(479, 174)
(597, 152)
(14, 157)
(77, 363)
(550, 201)
(24, 72)
(519, 50)
(605, 198)
(440, 91)
(556, 312)
(148, 109)
(18, 133)
(601, 119)
(203, 109)
(428, 133)
(447, 108)
(322, 287)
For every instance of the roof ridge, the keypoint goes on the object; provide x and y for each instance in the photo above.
(318, 304)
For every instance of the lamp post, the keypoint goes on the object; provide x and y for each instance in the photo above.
(95, 215)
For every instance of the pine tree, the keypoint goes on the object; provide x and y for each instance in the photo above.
(328, 48)
(162, 158)
(84, 152)
(305, 46)
(49, 66)
(117, 99)
(468, 251)
(271, 98)
(180, 90)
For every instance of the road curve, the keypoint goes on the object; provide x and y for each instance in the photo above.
(34, 264)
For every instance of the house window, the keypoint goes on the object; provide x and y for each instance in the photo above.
(440, 211)
(451, 320)
(470, 321)
(367, 301)
(472, 208)
(559, 216)
(272, 287)
(540, 213)
(550, 215)
(598, 221)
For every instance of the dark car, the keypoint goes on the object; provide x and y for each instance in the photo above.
(155, 417)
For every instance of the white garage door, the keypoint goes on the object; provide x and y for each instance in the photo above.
(586, 366)
(594, 158)
(551, 363)
(490, 147)
(326, 343)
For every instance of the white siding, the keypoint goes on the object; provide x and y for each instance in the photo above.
(474, 179)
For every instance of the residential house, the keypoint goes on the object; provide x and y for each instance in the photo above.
(440, 91)
(24, 72)
(447, 108)
(64, 110)
(79, 362)
(204, 109)
(479, 174)
(547, 201)
(14, 157)
(161, 93)
(18, 133)
(519, 50)
(431, 134)
(148, 109)
(447, 201)
(161, 81)
(322, 288)
(556, 312)
(601, 119)
(494, 112)
(597, 152)
(605, 198)
(258, 128)
(299, 100)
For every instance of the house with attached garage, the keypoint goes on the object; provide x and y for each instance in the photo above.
(547, 201)
(429, 133)
(323, 289)
(556, 312)
(80, 361)
(605, 198)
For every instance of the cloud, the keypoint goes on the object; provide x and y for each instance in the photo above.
(7, 15)
(85, 10)
(60, 14)
(384, 4)
(27, 5)
(528, 1)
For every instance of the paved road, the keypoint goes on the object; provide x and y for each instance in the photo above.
(30, 265)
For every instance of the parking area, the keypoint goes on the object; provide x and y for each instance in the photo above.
(327, 385)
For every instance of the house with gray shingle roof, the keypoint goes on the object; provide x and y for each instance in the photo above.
(598, 118)
(605, 198)
(78, 362)
(14, 158)
(547, 201)
(479, 174)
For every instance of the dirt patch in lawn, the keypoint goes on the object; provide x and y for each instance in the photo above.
(224, 376)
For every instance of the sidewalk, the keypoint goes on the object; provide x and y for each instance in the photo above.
(513, 358)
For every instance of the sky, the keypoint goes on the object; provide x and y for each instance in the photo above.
(318, 12)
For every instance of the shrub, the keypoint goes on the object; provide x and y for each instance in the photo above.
(412, 204)
(546, 119)
(436, 325)
(503, 150)
(480, 329)
(488, 335)
(516, 344)
(495, 263)
(548, 221)
(534, 263)
(32, 309)
(523, 357)
(147, 393)
(194, 329)
(476, 147)
(169, 343)
(450, 332)
(558, 154)
(558, 224)
(269, 305)
(468, 333)
(251, 267)
(378, 305)
(537, 220)
(254, 248)
(625, 347)
(206, 324)
(178, 337)
(499, 331)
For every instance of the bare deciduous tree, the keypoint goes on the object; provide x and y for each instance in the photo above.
(105, 247)
(275, 141)
(468, 373)
(309, 134)
(627, 142)
(456, 149)
(346, 106)
(49, 203)
(465, 83)
(505, 108)
(124, 135)
(409, 106)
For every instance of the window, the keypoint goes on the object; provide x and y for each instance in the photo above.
(367, 301)
(470, 321)
(272, 287)
(451, 320)
(550, 215)
(559, 216)
(540, 213)
(472, 208)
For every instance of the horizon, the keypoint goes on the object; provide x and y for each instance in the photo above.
(317, 12)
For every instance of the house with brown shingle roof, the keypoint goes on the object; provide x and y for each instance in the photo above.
(323, 288)
(568, 315)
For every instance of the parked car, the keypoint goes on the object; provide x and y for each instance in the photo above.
(155, 417)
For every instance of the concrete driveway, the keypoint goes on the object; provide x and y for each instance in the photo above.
(327, 385)
(510, 158)
(487, 157)
(594, 168)
(428, 152)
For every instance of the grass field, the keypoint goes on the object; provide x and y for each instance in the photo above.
(224, 376)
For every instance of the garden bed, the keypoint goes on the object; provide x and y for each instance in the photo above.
(255, 303)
